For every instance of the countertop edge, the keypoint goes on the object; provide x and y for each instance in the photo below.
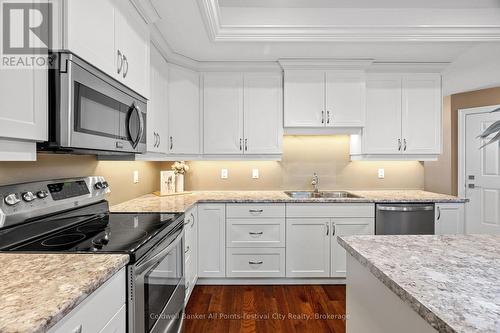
(430, 317)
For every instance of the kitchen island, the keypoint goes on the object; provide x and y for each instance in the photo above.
(423, 283)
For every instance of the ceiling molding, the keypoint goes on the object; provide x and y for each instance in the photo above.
(147, 10)
(239, 66)
(219, 32)
(413, 67)
(350, 64)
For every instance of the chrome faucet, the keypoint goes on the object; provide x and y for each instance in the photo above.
(315, 182)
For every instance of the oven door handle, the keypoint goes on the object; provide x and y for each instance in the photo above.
(144, 265)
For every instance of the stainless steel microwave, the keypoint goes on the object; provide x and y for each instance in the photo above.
(91, 112)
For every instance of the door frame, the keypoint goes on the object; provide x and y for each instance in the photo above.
(462, 115)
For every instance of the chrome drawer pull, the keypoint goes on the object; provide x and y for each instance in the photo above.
(256, 210)
(255, 262)
(187, 249)
(256, 233)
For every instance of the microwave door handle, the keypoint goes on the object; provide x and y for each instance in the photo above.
(136, 141)
(144, 265)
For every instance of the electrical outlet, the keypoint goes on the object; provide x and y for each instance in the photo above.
(255, 173)
(224, 174)
(381, 173)
(136, 176)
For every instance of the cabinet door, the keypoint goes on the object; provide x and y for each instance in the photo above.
(212, 240)
(223, 113)
(132, 40)
(382, 131)
(157, 104)
(422, 114)
(184, 111)
(345, 99)
(90, 32)
(449, 219)
(304, 98)
(347, 227)
(307, 247)
(263, 125)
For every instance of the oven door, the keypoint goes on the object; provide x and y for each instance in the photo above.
(160, 288)
(102, 114)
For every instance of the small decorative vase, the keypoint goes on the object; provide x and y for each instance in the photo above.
(179, 183)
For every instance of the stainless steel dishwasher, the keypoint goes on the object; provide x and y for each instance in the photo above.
(404, 219)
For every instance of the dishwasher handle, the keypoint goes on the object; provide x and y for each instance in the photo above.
(405, 208)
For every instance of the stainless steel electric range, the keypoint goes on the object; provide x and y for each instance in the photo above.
(72, 215)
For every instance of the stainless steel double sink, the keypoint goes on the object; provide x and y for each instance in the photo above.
(320, 194)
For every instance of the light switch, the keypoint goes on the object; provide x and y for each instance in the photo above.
(381, 173)
(224, 174)
(255, 173)
(136, 176)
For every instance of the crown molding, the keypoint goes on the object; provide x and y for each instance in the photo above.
(412, 67)
(341, 64)
(147, 10)
(239, 66)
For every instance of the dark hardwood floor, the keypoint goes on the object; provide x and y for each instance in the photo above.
(262, 309)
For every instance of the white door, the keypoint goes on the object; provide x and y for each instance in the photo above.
(304, 104)
(157, 104)
(421, 122)
(90, 32)
(345, 99)
(382, 133)
(263, 125)
(449, 219)
(184, 111)
(482, 174)
(346, 227)
(212, 240)
(308, 247)
(223, 113)
(132, 40)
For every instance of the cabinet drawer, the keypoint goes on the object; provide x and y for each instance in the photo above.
(96, 310)
(118, 324)
(330, 210)
(256, 232)
(256, 262)
(255, 210)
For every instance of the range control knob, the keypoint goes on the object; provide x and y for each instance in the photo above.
(42, 194)
(105, 184)
(28, 196)
(99, 185)
(12, 199)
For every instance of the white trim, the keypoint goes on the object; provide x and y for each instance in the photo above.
(322, 130)
(146, 10)
(407, 67)
(324, 63)
(394, 157)
(270, 281)
(239, 66)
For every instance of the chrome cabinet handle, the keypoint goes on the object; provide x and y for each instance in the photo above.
(255, 262)
(187, 249)
(404, 145)
(327, 117)
(246, 144)
(159, 140)
(322, 117)
(171, 142)
(439, 212)
(256, 233)
(241, 147)
(192, 220)
(334, 229)
(125, 70)
(120, 61)
(78, 329)
(327, 229)
(399, 144)
(255, 210)
(156, 139)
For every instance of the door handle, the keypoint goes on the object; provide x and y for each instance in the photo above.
(246, 144)
(399, 144)
(255, 262)
(125, 70)
(327, 229)
(159, 140)
(171, 143)
(241, 147)
(119, 61)
(322, 117)
(404, 146)
(439, 212)
(334, 229)
(327, 117)
(156, 139)
(137, 110)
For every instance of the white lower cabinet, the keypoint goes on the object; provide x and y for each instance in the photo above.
(307, 247)
(449, 219)
(255, 262)
(103, 311)
(190, 250)
(212, 240)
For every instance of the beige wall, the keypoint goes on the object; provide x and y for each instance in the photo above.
(443, 175)
(119, 174)
(303, 155)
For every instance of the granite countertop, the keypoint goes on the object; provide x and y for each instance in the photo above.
(38, 290)
(453, 282)
(181, 203)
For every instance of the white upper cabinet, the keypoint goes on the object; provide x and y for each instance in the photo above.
(112, 36)
(382, 133)
(184, 111)
(345, 99)
(132, 41)
(315, 98)
(421, 114)
(304, 98)
(242, 113)
(223, 113)
(263, 124)
(157, 136)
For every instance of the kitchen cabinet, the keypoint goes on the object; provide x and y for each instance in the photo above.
(183, 111)
(103, 311)
(308, 247)
(242, 113)
(212, 240)
(449, 219)
(191, 250)
(157, 135)
(346, 227)
(256, 262)
(113, 38)
(315, 98)
(403, 115)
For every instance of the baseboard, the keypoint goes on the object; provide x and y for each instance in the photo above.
(269, 281)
